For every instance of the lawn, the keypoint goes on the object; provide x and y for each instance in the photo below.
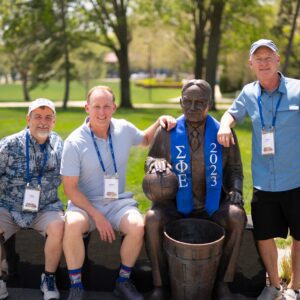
(13, 120)
(55, 91)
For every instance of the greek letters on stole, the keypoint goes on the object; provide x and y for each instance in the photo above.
(180, 153)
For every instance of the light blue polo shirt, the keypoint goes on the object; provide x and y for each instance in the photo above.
(279, 172)
(80, 157)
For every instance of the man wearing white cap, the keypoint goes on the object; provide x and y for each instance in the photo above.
(272, 102)
(29, 178)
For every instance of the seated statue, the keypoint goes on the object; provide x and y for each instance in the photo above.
(189, 174)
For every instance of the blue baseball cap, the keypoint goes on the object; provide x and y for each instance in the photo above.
(263, 43)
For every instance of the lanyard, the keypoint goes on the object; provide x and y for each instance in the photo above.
(98, 152)
(260, 111)
(28, 177)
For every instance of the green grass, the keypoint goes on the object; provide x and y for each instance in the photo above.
(13, 120)
(55, 91)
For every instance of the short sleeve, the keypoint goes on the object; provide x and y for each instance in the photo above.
(70, 162)
(238, 108)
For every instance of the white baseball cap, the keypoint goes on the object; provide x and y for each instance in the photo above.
(41, 102)
(263, 43)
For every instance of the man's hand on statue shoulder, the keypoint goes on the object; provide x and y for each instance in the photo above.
(225, 136)
(235, 197)
(159, 165)
(167, 122)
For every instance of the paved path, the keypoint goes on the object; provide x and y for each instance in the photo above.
(31, 294)
(174, 103)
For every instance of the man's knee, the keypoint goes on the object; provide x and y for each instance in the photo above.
(76, 224)
(133, 224)
(55, 229)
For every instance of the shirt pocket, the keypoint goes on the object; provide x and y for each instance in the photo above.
(288, 115)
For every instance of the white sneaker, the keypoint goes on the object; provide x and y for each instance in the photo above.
(270, 293)
(3, 290)
(48, 287)
(290, 294)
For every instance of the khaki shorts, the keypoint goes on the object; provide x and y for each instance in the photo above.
(113, 211)
(40, 223)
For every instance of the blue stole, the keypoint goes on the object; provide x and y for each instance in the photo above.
(180, 156)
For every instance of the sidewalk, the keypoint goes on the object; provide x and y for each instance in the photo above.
(173, 104)
(31, 294)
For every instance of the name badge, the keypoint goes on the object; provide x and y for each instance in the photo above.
(268, 143)
(31, 199)
(111, 187)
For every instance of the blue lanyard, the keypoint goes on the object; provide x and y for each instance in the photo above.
(260, 111)
(98, 152)
(28, 177)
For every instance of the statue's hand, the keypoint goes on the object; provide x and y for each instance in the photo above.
(160, 184)
(236, 198)
(159, 165)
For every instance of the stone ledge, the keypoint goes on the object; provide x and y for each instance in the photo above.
(102, 263)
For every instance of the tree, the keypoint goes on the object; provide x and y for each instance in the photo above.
(88, 63)
(107, 17)
(60, 39)
(18, 22)
(287, 17)
(37, 37)
(214, 44)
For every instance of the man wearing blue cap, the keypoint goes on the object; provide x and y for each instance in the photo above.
(29, 178)
(272, 102)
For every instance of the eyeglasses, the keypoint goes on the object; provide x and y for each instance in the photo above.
(39, 118)
(196, 104)
(264, 60)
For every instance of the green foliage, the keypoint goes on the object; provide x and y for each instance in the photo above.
(286, 269)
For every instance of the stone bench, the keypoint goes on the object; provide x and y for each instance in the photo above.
(25, 257)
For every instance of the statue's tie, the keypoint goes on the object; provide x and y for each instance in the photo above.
(195, 141)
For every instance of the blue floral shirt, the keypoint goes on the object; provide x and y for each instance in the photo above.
(13, 174)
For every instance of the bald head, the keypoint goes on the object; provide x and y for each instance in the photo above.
(100, 90)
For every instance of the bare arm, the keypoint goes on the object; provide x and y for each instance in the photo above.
(166, 122)
(225, 137)
(79, 199)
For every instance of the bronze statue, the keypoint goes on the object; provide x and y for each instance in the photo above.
(226, 208)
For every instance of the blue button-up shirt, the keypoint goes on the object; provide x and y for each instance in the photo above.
(13, 174)
(281, 171)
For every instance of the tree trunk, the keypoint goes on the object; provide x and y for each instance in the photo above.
(67, 78)
(124, 77)
(122, 54)
(199, 40)
(288, 51)
(24, 77)
(66, 55)
(199, 46)
(214, 46)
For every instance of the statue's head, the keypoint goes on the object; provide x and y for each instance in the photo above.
(195, 100)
